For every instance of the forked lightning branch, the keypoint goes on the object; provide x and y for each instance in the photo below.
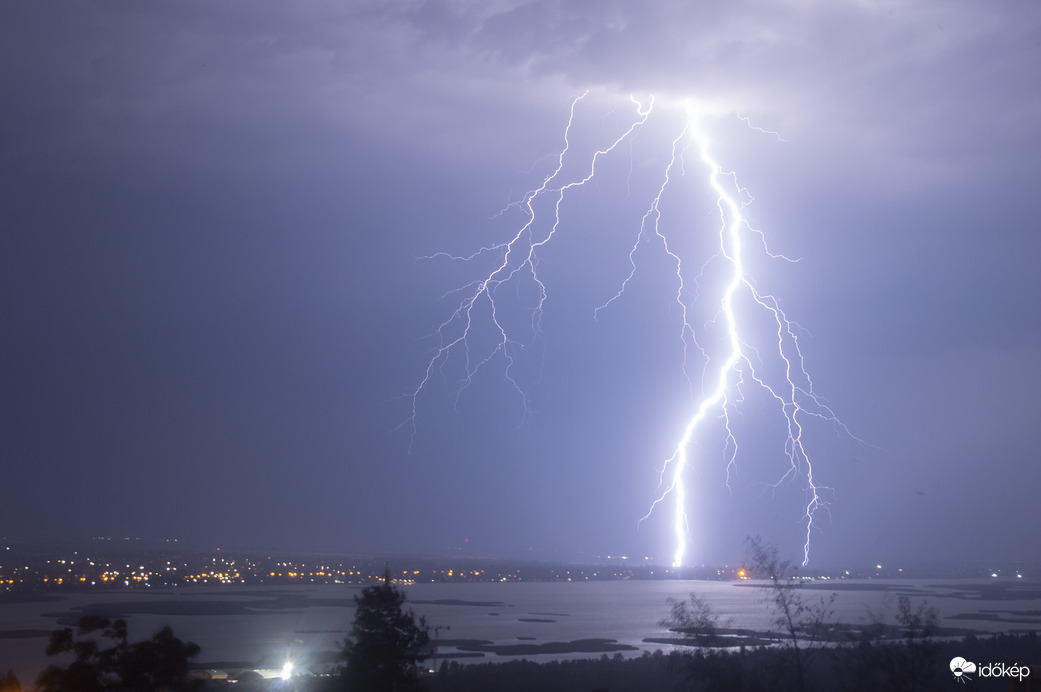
(742, 356)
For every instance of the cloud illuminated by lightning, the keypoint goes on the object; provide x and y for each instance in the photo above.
(741, 355)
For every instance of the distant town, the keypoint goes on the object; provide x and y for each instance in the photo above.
(108, 563)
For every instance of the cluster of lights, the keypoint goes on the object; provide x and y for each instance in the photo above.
(80, 571)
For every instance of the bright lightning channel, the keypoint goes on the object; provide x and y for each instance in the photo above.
(517, 259)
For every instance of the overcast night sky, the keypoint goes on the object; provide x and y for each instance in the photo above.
(214, 305)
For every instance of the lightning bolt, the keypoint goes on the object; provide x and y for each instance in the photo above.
(775, 364)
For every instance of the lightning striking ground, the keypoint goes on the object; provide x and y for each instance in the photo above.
(775, 364)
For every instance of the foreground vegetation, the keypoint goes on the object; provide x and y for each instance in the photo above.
(920, 665)
(859, 666)
(863, 666)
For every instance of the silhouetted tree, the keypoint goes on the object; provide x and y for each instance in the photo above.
(877, 661)
(385, 641)
(694, 620)
(159, 663)
(803, 622)
(9, 683)
(914, 670)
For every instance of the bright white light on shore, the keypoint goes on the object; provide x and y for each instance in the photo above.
(287, 670)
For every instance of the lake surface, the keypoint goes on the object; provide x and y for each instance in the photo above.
(240, 627)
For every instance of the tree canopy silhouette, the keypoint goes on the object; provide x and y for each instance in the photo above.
(385, 642)
(152, 664)
(9, 683)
